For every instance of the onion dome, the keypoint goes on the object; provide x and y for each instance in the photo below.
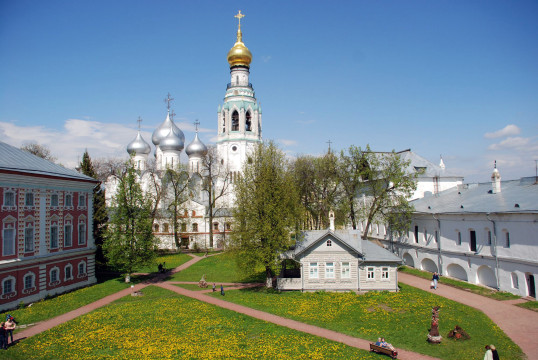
(138, 146)
(164, 129)
(173, 141)
(196, 148)
(239, 54)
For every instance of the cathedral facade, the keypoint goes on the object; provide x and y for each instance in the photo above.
(239, 129)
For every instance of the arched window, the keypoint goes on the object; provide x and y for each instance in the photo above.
(29, 282)
(183, 227)
(235, 121)
(8, 286)
(166, 226)
(223, 122)
(248, 123)
(68, 271)
(68, 200)
(81, 232)
(54, 276)
(156, 228)
(216, 226)
(29, 238)
(195, 227)
(81, 269)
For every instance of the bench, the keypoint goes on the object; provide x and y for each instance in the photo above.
(380, 349)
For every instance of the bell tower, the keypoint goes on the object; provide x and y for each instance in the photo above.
(240, 116)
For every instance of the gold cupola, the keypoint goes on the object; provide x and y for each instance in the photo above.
(239, 54)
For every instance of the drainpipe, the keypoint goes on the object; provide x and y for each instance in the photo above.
(495, 250)
(440, 254)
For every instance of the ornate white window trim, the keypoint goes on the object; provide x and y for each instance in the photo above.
(13, 291)
(84, 273)
(57, 281)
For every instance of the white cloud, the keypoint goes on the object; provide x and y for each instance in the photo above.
(511, 143)
(266, 58)
(286, 142)
(506, 131)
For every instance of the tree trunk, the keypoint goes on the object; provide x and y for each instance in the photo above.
(268, 277)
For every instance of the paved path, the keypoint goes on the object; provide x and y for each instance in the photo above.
(292, 324)
(521, 325)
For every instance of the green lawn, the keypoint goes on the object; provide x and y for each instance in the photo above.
(403, 318)
(172, 261)
(164, 325)
(218, 268)
(194, 287)
(531, 305)
(61, 304)
(491, 293)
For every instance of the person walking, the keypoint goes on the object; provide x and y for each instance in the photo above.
(10, 326)
(488, 355)
(3, 336)
(221, 290)
(435, 279)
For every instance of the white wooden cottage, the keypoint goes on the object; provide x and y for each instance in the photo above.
(338, 261)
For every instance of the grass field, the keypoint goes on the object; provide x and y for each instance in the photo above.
(164, 325)
(480, 290)
(172, 261)
(403, 318)
(531, 305)
(217, 268)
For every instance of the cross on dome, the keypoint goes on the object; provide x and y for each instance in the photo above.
(239, 16)
(172, 114)
(196, 123)
(139, 121)
(168, 100)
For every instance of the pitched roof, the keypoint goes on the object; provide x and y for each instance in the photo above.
(14, 159)
(418, 163)
(477, 198)
(367, 250)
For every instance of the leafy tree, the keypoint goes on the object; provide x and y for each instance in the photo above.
(385, 185)
(176, 189)
(42, 151)
(215, 183)
(129, 241)
(267, 210)
(100, 215)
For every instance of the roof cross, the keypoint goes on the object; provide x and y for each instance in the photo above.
(329, 142)
(239, 16)
(196, 123)
(139, 121)
(172, 114)
(168, 100)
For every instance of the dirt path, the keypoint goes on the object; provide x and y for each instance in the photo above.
(521, 325)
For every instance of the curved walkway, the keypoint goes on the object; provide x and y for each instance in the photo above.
(521, 325)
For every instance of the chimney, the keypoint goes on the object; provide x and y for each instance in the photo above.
(495, 180)
(331, 220)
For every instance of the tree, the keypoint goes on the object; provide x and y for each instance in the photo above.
(215, 183)
(100, 216)
(176, 189)
(104, 167)
(129, 241)
(266, 212)
(36, 149)
(385, 186)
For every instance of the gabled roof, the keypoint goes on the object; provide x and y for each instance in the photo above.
(477, 198)
(425, 167)
(17, 160)
(351, 239)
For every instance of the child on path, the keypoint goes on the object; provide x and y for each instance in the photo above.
(435, 279)
(222, 290)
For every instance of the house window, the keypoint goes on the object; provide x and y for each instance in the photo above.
(183, 227)
(314, 270)
(385, 273)
(29, 199)
(459, 238)
(68, 272)
(193, 213)
(81, 200)
(7, 286)
(81, 233)
(489, 237)
(329, 243)
(54, 275)
(9, 198)
(329, 270)
(28, 281)
(166, 227)
(82, 269)
(507, 236)
(68, 235)
(54, 237)
(8, 247)
(68, 200)
(416, 234)
(248, 122)
(29, 239)
(54, 200)
(346, 273)
(223, 122)
(195, 227)
(370, 274)
(215, 226)
(228, 226)
(472, 240)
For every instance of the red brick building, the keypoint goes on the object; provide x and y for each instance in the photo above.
(46, 242)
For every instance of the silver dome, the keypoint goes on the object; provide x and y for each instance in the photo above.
(164, 129)
(196, 148)
(172, 141)
(138, 146)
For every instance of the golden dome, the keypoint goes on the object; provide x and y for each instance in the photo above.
(239, 54)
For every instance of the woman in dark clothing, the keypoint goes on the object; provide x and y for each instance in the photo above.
(3, 337)
(494, 352)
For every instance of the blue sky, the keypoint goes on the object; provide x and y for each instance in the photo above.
(457, 78)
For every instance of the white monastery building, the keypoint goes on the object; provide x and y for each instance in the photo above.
(47, 245)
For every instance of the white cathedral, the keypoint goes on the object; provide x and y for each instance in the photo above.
(239, 126)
